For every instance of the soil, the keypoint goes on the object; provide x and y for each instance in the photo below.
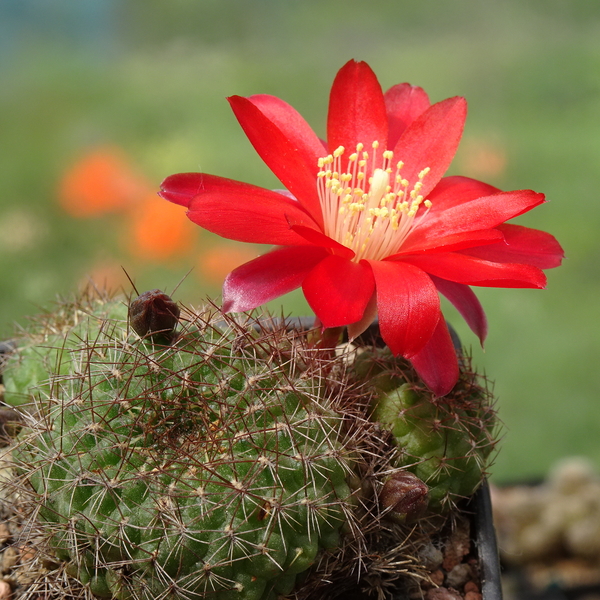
(549, 534)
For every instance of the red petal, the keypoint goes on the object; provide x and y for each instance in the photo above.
(437, 363)
(431, 141)
(269, 276)
(408, 306)
(416, 242)
(355, 329)
(404, 103)
(339, 290)
(247, 213)
(522, 245)
(183, 187)
(287, 152)
(292, 124)
(474, 215)
(357, 111)
(465, 301)
(456, 189)
(320, 239)
(458, 267)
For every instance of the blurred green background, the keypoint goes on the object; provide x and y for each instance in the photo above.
(146, 82)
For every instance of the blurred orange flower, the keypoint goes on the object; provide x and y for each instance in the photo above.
(481, 158)
(102, 181)
(156, 231)
(217, 262)
(106, 275)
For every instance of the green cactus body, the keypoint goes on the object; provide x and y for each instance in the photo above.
(225, 460)
(213, 467)
(446, 442)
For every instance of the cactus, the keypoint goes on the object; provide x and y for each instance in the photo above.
(226, 460)
(446, 442)
(210, 465)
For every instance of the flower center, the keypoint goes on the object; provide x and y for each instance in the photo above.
(370, 213)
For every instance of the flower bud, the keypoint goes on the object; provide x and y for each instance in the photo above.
(404, 497)
(154, 314)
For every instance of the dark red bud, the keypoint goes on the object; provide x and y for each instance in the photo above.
(154, 314)
(404, 496)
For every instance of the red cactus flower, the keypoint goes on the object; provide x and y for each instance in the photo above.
(368, 225)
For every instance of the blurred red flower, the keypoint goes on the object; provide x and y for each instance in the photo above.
(368, 225)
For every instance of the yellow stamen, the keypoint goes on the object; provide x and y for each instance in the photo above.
(374, 222)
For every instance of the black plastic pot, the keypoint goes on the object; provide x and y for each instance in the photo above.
(485, 542)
